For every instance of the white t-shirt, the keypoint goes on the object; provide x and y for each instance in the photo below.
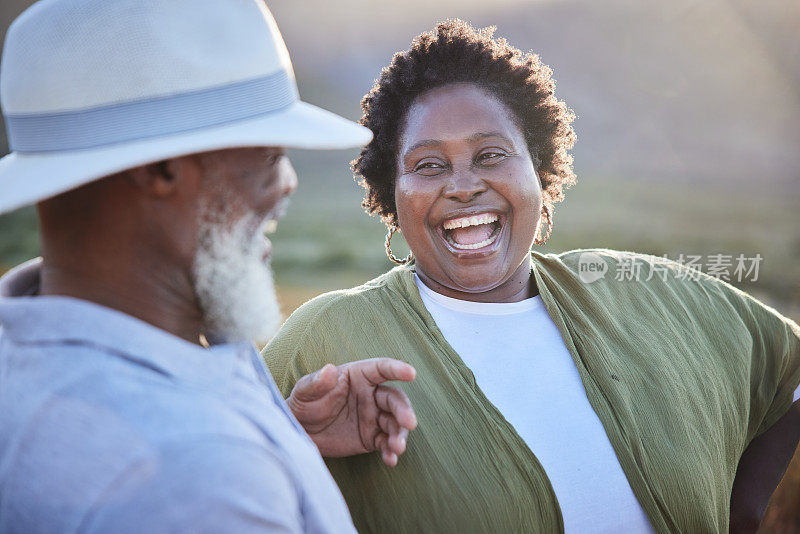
(521, 364)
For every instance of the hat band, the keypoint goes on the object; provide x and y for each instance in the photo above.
(152, 117)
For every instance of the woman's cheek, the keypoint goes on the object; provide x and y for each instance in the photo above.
(413, 198)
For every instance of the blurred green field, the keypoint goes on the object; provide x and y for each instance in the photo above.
(327, 242)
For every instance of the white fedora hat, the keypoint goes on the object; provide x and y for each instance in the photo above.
(93, 87)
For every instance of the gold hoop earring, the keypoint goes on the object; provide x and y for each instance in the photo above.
(387, 244)
(548, 216)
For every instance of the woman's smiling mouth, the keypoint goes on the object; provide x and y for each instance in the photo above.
(471, 233)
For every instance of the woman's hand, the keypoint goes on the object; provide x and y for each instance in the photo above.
(347, 410)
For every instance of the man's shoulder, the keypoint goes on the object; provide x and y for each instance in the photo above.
(213, 484)
(105, 438)
(168, 485)
(100, 413)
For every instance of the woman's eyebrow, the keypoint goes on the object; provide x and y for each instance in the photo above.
(424, 143)
(483, 135)
(472, 138)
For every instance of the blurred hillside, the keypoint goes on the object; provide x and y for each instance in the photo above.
(680, 90)
(688, 129)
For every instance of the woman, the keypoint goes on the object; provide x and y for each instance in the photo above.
(547, 400)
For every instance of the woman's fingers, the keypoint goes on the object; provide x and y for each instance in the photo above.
(396, 402)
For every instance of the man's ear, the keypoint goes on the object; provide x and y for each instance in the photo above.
(168, 177)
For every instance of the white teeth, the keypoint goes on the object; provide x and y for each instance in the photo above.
(473, 220)
(270, 227)
(486, 242)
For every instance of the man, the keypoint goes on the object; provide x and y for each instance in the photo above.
(151, 134)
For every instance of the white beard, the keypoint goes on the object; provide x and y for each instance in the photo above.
(233, 283)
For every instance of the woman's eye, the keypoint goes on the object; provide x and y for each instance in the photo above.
(429, 168)
(490, 158)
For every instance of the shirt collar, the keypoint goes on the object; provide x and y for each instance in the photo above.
(30, 319)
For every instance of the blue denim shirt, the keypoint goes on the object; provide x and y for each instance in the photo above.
(108, 424)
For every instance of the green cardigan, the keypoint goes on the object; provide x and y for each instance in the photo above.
(682, 373)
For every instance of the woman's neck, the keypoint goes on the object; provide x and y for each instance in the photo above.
(519, 286)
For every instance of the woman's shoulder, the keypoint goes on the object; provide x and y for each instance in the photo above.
(331, 327)
(336, 304)
(603, 267)
(607, 274)
(581, 259)
(678, 285)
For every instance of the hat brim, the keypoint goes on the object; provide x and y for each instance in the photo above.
(28, 178)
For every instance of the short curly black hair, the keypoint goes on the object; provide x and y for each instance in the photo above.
(456, 52)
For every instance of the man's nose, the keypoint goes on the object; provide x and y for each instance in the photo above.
(288, 177)
(464, 186)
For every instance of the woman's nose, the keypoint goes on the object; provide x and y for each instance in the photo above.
(464, 186)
